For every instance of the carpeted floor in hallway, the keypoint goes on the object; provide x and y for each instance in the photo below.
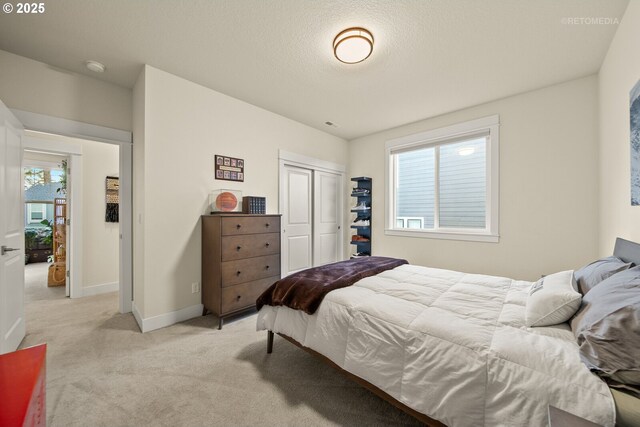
(101, 371)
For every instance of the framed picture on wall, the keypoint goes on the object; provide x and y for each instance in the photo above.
(229, 168)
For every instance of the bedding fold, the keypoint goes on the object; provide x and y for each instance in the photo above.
(306, 289)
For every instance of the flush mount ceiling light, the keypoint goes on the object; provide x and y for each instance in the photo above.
(353, 45)
(95, 66)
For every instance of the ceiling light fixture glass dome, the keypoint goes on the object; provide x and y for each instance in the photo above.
(353, 45)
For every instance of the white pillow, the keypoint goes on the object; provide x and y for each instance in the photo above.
(552, 300)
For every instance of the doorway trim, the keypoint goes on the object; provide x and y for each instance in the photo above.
(310, 162)
(70, 128)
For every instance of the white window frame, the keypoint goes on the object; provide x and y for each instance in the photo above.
(438, 137)
(30, 212)
(405, 220)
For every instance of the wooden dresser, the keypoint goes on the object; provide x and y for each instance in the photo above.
(240, 259)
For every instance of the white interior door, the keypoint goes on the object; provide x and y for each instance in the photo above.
(327, 230)
(68, 242)
(12, 322)
(296, 191)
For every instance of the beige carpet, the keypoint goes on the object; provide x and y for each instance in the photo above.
(101, 371)
(35, 283)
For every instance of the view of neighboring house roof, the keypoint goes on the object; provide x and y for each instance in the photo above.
(42, 192)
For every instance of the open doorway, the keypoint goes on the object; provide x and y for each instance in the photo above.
(84, 224)
(45, 201)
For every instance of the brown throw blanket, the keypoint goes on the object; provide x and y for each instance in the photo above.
(306, 289)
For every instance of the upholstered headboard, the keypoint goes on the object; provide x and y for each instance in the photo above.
(627, 251)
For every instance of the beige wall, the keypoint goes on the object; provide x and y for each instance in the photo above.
(548, 186)
(619, 73)
(139, 101)
(185, 126)
(37, 87)
(100, 239)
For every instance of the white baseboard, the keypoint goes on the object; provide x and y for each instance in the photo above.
(166, 319)
(100, 289)
(136, 315)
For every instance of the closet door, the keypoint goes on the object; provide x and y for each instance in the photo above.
(296, 189)
(327, 233)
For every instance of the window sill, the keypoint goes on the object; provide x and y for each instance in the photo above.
(448, 235)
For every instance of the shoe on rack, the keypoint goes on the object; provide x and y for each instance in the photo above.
(358, 238)
(361, 223)
(360, 255)
(360, 191)
(361, 207)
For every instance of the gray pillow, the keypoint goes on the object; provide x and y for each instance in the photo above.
(607, 328)
(592, 274)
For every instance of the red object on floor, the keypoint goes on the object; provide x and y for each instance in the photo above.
(22, 387)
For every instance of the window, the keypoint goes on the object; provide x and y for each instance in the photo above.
(410, 222)
(36, 212)
(444, 183)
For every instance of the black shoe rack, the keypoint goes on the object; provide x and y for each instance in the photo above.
(361, 240)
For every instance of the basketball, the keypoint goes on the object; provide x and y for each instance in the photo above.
(226, 201)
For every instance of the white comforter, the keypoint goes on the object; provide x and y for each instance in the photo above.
(452, 346)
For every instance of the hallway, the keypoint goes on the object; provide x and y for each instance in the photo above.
(35, 284)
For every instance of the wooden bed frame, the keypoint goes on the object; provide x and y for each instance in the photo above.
(624, 249)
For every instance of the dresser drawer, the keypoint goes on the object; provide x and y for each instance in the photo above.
(246, 270)
(249, 246)
(250, 225)
(241, 296)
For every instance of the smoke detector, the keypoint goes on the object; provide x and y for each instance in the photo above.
(95, 66)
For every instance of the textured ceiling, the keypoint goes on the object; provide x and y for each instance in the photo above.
(430, 56)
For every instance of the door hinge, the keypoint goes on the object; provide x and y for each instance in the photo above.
(68, 273)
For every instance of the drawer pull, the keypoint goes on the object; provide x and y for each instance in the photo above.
(238, 248)
(267, 244)
(267, 225)
(267, 267)
(238, 273)
(238, 226)
(238, 297)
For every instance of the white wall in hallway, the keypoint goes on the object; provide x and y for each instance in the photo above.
(100, 239)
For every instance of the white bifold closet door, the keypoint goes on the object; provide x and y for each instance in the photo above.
(311, 219)
(326, 218)
(297, 220)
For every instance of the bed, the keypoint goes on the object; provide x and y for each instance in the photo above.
(451, 348)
